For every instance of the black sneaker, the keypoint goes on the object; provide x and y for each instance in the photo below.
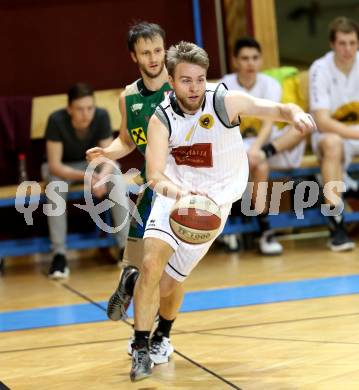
(339, 240)
(120, 300)
(141, 363)
(59, 268)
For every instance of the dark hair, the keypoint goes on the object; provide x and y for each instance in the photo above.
(344, 25)
(246, 42)
(186, 52)
(79, 91)
(143, 30)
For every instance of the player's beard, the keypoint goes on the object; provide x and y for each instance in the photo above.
(190, 106)
(153, 75)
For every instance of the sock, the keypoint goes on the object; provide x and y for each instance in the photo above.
(130, 283)
(142, 338)
(269, 150)
(121, 251)
(335, 221)
(163, 329)
(263, 222)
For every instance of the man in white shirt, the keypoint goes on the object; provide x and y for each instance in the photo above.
(193, 146)
(267, 146)
(334, 102)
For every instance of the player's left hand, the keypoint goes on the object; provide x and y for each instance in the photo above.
(304, 122)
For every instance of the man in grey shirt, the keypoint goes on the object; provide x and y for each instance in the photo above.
(69, 133)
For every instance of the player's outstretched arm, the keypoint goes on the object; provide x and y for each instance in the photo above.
(156, 160)
(241, 104)
(120, 146)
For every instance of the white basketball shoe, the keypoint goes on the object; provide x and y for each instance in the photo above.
(160, 351)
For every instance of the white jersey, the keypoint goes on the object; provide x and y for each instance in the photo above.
(265, 87)
(206, 152)
(331, 89)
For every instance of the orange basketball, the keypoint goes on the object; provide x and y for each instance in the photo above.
(195, 219)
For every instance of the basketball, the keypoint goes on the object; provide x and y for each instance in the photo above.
(195, 219)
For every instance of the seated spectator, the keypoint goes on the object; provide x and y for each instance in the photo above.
(69, 133)
(334, 102)
(267, 146)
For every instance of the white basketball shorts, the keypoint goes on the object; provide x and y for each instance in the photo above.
(186, 256)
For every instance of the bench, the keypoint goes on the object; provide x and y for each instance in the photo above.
(25, 246)
(11, 196)
(288, 219)
(43, 106)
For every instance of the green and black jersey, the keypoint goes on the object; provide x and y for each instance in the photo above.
(140, 105)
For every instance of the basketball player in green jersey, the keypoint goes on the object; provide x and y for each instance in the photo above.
(137, 103)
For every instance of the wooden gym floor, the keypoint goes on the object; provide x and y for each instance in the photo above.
(249, 322)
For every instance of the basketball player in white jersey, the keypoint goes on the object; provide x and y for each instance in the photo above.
(334, 102)
(194, 145)
(267, 146)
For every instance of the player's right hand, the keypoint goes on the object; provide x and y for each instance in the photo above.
(95, 152)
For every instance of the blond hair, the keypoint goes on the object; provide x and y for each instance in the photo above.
(186, 52)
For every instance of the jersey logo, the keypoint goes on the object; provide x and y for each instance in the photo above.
(206, 121)
(136, 108)
(139, 136)
(196, 155)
